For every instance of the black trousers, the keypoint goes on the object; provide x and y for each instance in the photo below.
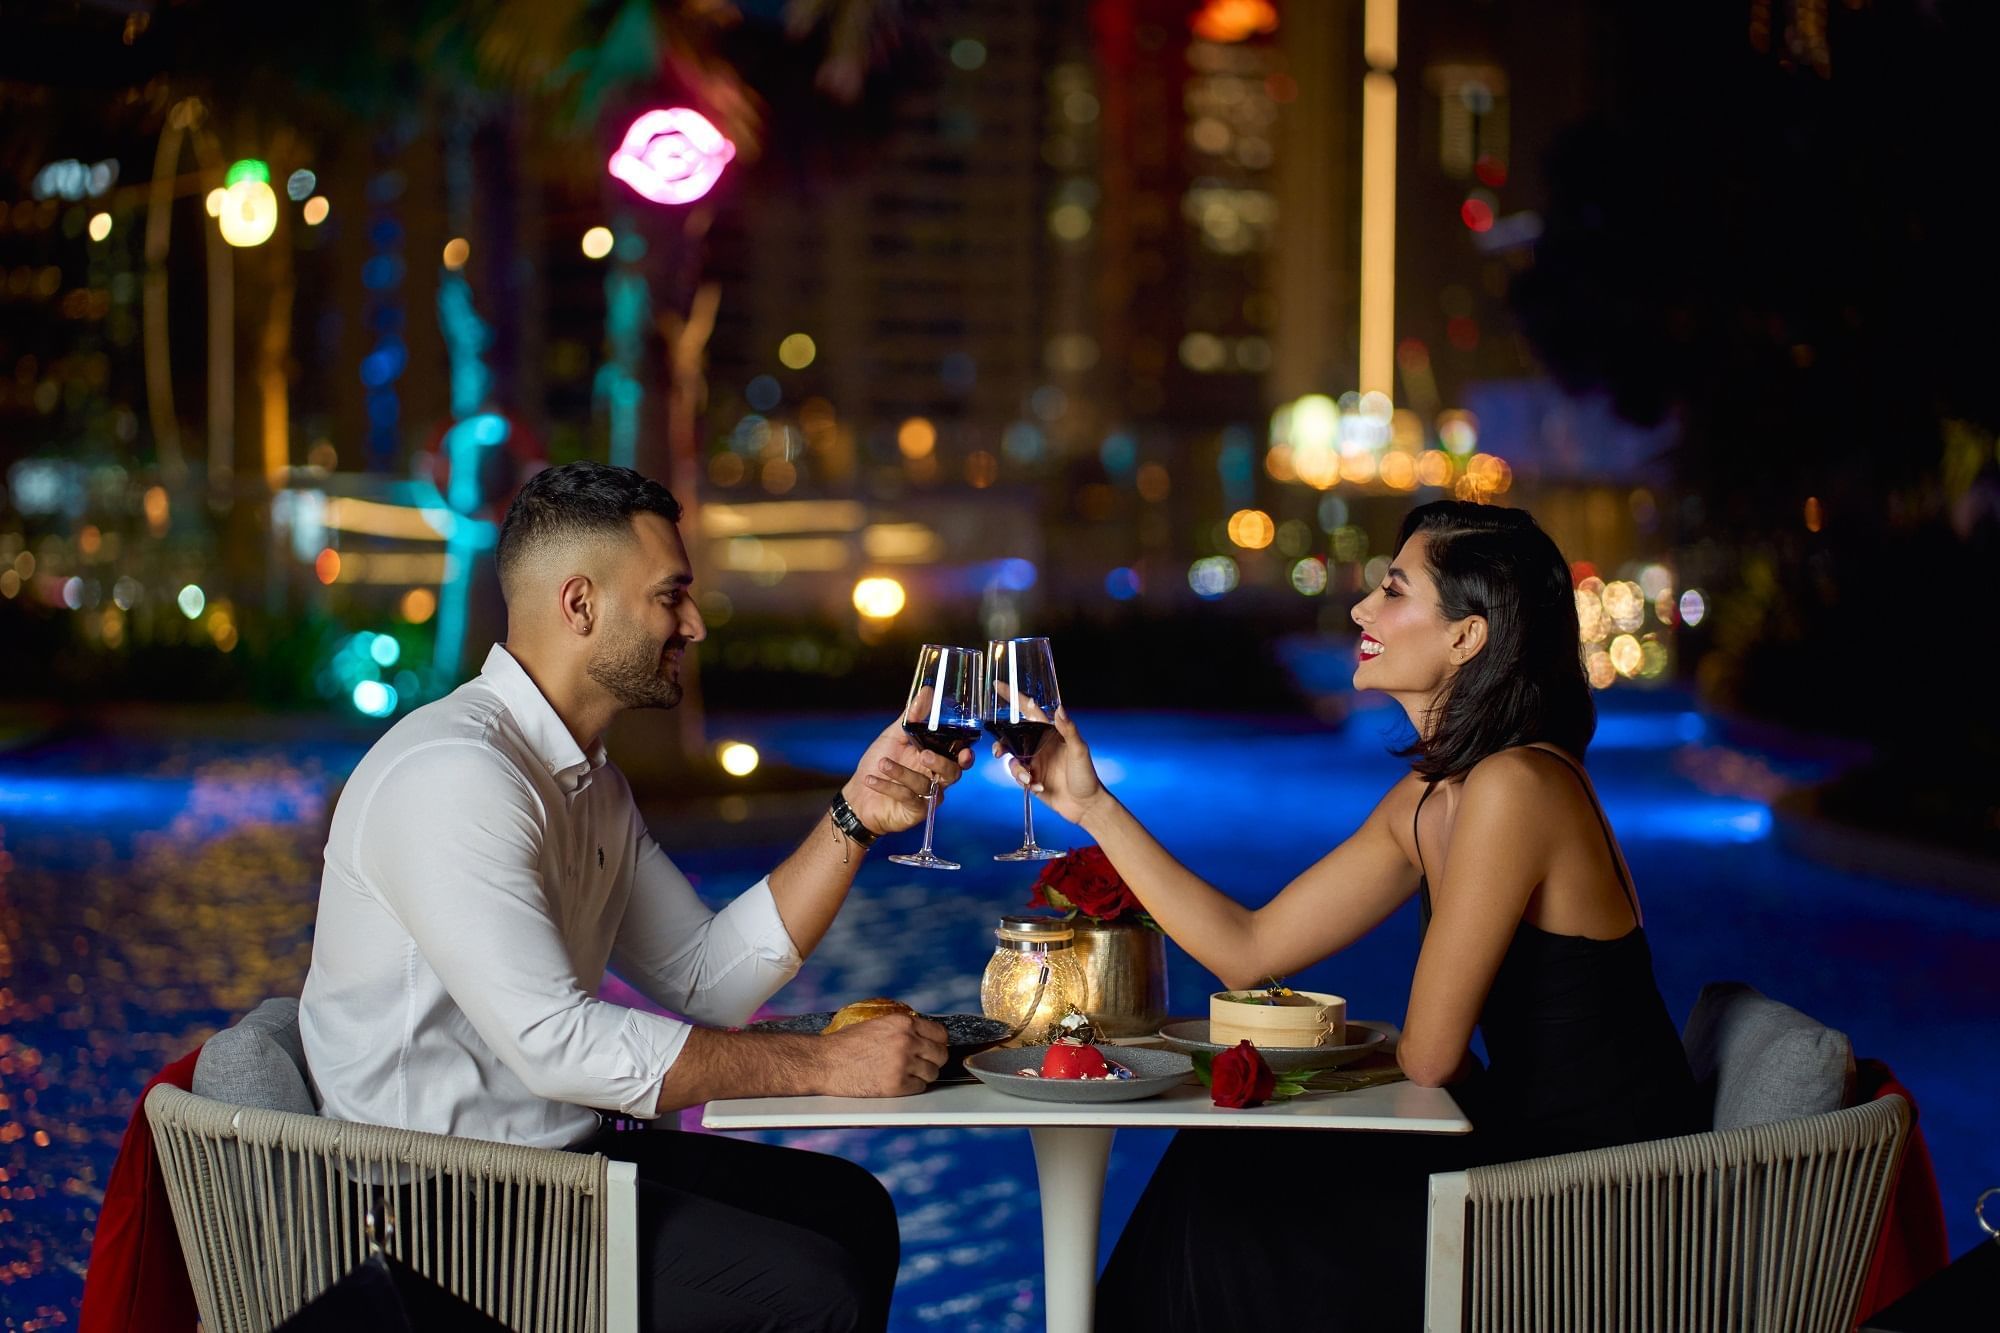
(740, 1236)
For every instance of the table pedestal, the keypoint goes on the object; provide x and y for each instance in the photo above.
(1069, 1167)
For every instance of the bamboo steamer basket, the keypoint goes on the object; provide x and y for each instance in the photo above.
(1314, 1019)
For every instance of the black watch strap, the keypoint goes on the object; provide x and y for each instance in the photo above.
(849, 823)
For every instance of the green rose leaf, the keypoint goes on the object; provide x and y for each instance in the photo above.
(1204, 1067)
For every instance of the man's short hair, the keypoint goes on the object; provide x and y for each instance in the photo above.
(576, 501)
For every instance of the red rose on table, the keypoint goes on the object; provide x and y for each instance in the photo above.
(1240, 1077)
(1085, 880)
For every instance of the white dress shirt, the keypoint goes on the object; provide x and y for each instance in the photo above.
(481, 873)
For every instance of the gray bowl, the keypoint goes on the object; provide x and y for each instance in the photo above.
(964, 1034)
(1153, 1072)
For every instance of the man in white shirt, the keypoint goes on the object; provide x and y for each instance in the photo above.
(486, 865)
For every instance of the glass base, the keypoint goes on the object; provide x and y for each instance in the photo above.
(927, 860)
(1030, 852)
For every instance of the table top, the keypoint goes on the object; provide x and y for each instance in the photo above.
(1401, 1107)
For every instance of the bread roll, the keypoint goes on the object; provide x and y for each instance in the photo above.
(863, 1010)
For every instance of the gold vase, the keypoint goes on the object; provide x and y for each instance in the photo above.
(1124, 977)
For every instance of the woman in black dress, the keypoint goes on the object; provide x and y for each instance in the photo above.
(1531, 931)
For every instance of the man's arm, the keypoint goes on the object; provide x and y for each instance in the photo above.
(883, 1057)
(888, 792)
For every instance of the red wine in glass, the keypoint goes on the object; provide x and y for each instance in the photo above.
(946, 705)
(1020, 739)
(1021, 695)
(946, 740)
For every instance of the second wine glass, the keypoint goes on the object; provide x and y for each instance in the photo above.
(946, 705)
(1021, 698)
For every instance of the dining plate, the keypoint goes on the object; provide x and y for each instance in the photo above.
(1191, 1035)
(965, 1034)
(1153, 1072)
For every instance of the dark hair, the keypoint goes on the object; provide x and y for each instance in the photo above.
(1527, 684)
(581, 499)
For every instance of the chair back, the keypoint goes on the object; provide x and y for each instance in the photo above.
(272, 1207)
(1764, 1227)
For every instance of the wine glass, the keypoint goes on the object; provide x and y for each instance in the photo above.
(1021, 697)
(947, 704)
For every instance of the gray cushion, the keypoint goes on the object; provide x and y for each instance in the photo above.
(1762, 1060)
(259, 1061)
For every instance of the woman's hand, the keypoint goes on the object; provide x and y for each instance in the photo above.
(1060, 771)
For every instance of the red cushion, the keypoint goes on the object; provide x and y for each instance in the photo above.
(1913, 1244)
(138, 1279)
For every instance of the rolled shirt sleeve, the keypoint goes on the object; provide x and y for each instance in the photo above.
(713, 966)
(469, 892)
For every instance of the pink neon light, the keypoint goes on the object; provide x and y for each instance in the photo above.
(672, 156)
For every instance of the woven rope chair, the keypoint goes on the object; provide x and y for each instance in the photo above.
(1766, 1227)
(273, 1207)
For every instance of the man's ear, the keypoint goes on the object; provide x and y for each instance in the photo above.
(577, 603)
(1469, 641)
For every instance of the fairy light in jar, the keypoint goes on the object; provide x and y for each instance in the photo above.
(1033, 978)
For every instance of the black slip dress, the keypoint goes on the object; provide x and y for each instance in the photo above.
(1301, 1229)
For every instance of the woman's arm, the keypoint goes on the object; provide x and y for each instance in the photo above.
(1345, 894)
(1500, 854)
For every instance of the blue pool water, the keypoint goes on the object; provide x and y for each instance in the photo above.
(148, 893)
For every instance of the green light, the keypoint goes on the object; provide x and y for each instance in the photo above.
(249, 169)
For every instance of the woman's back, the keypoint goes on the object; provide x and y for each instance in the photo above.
(1581, 1050)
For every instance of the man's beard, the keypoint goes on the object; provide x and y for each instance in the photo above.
(630, 665)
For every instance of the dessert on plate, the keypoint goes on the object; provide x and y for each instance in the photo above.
(1074, 1053)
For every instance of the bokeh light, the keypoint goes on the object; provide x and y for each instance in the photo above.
(1626, 655)
(248, 213)
(1309, 577)
(1212, 576)
(373, 698)
(456, 251)
(738, 758)
(1597, 665)
(1694, 607)
(916, 437)
(797, 351)
(1624, 605)
(879, 598)
(418, 605)
(100, 226)
(191, 600)
(316, 210)
(1592, 625)
(1251, 529)
(672, 156)
(597, 242)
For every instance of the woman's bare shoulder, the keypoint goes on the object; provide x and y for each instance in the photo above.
(1524, 781)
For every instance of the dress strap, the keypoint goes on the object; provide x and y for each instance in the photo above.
(1417, 839)
(1610, 843)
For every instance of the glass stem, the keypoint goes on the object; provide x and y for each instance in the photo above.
(930, 815)
(1027, 820)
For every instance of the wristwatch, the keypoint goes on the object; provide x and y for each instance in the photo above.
(849, 823)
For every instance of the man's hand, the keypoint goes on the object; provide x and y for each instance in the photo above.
(891, 784)
(892, 1056)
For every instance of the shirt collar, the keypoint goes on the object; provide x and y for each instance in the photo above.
(547, 736)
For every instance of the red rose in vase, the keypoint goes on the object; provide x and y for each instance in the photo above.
(1085, 882)
(1240, 1077)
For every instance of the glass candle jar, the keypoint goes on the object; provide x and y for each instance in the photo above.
(1033, 977)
